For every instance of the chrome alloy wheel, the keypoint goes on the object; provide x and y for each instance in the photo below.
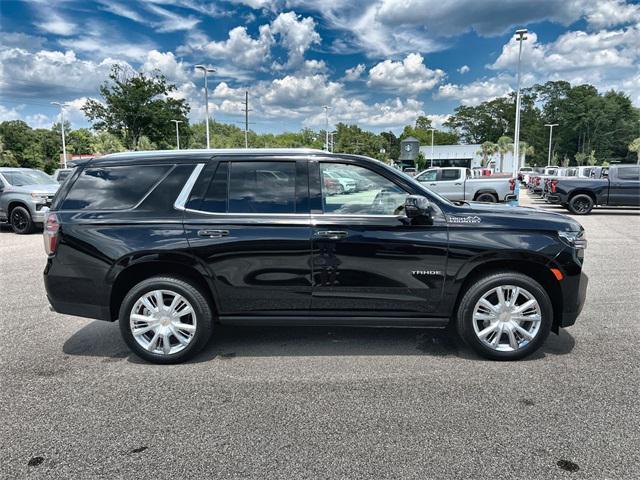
(507, 318)
(162, 322)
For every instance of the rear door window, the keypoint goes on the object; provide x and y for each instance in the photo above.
(448, 175)
(113, 188)
(262, 187)
(629, 173)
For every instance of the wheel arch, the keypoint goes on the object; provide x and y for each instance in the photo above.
(530, 267)
(583, 192)
(16, 203)
(489, 191)
(134, 273)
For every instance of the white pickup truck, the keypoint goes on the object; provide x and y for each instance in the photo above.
(456, 183)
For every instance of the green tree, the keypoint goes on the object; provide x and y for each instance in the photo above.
(581, 158)
(145, 144)
(487, 150)
(81, 142)
(505, 145)
(105, 142)
(591, 159)
(135, 104)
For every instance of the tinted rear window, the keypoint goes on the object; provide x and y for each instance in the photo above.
(113, 188)
(450, 174)
(262, 187)
(629, 173)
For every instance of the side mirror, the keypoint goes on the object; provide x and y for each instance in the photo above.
(417, 206)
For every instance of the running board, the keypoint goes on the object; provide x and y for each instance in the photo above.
(318, 320)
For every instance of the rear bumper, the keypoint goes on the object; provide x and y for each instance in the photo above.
(553, 198)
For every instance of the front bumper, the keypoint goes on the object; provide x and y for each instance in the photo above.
(573, 301)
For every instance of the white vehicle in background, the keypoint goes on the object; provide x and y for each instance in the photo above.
(345, 184)
(61, 174)
(456, 183)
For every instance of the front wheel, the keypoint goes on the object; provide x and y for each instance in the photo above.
(505, 316)
(165, 320)
(21, 221)
(581, 204)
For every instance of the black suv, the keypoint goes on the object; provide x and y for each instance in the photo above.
(171, 243)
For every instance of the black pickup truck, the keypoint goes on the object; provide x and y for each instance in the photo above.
(620, 186)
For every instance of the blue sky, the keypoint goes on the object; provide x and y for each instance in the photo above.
(378, 63)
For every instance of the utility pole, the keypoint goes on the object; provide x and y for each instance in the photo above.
(246, 118)
(177, 122)
(550, 125)
(64, 146)
(432, 132)
(520, 36)
(206, 71)
(326, 114)
(332, 140)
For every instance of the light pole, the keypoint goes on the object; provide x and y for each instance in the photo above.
(177, 122)
(326, 139)
(206, 71)
(333, 141)
(520, 36)
(64, 146)
(432, 132)
(550, 125)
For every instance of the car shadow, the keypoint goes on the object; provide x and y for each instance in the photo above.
(102, 339)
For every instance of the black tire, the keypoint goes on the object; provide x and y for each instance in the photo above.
(340, 190)
(21, 221)
(201, 306)
(581, 204)
(487, 197)
(464, 320)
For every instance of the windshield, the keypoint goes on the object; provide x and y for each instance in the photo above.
(28, 177)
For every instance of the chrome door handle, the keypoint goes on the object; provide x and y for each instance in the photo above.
(332, 234)
(213, 233)
(457, 184)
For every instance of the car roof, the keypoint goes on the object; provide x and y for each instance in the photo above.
(202, 154)
(16, 169)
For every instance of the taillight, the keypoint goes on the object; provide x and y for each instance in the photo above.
(50, 234)
(553, 186)
(512, 184)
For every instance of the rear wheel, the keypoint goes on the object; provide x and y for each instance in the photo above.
(21, 221)
(505, 316)
(581, 204)
(487, 197)
(165, 320)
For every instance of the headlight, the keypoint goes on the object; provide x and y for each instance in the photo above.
(574, 239)
(39, 197)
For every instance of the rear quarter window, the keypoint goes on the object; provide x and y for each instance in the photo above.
(113, 188)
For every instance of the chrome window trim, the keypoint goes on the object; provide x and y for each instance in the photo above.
(293, 215)
(183, 196)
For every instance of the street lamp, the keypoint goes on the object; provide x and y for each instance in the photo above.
(64, 146)
(333, 141)
(177, 122)
(206, 71)
(326, 139)
(432, 132)
(550, 125)
(521, 35)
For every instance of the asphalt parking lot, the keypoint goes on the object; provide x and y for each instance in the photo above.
(324, 402)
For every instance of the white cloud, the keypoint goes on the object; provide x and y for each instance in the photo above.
(606, 59)
(50, 74)
(409, 76)
(8, 113)
(603, 14)
(241, 49)
(392, 113)
(475, 92)
(166, 62)
(170, 21)
(301, 93)
(56, 24)
(296, 34)
(463, 69)
(21, 40)
(354, 73)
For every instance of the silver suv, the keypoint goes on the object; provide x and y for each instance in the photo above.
(25, 195)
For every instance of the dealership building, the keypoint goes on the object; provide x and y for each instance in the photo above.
(468, 156)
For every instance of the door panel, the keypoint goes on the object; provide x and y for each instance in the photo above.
(383, 266)
(251, 232)
(368, 258)
(625, 191)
